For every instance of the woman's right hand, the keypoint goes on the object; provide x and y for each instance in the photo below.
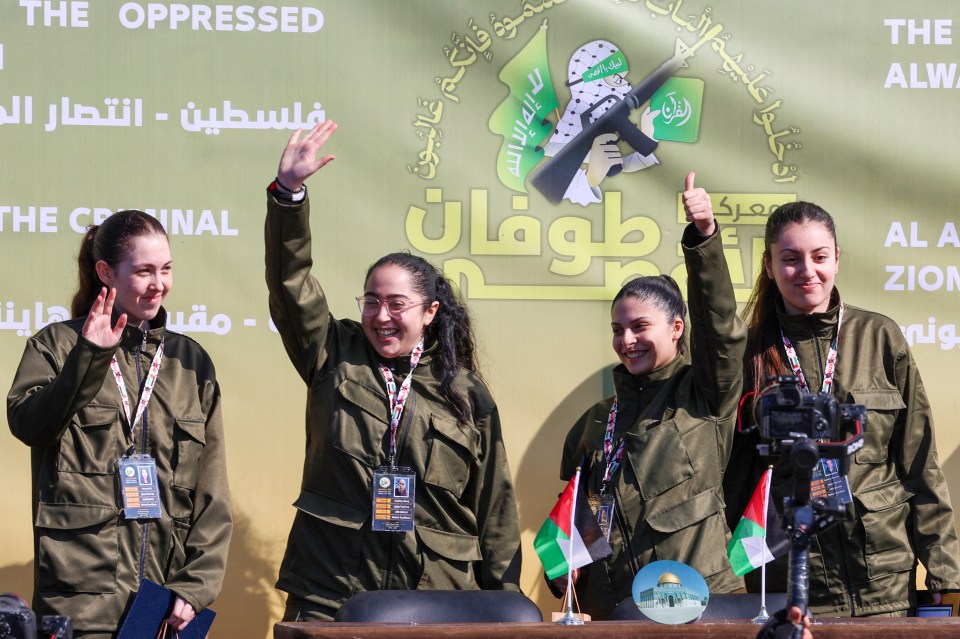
(96, 329)
(698, 207)
(299, 160)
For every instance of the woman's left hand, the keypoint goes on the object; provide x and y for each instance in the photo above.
(697, 206)
(182, 614)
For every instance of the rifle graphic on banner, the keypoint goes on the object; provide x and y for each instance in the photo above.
(553, 178)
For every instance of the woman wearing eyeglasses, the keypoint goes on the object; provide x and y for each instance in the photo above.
(393, 397)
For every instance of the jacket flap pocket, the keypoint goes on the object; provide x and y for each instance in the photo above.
(884, 497)
(687, 512)
(371, 401)
(447, 427)
(453, 454)
(450, 545)
(195, 428)
(72, 516)
(879, 399)
(98, 415)
(330, 510)
(646, 453)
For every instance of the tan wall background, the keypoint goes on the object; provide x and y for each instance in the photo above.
(794, 106)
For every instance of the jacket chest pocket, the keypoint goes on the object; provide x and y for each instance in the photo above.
(453, 454)
(659, 459)
(188, 441)
(94, 441)
(358, 427)
(882, 408)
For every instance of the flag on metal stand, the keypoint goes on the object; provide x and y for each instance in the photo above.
(758, 538)
(570, 538)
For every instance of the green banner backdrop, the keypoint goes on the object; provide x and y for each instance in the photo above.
(455, 119)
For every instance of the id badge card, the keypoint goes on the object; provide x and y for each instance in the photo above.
(393, 499)
(603, 509)
(138, 487)
(827, 481)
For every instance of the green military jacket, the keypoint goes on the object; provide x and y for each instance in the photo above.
(901, 510)
(678, 424)
(66, 406)
(466, 533)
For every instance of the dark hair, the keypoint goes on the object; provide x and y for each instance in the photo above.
(450, 328)
(760, 313)
(110, 242)
(663, 292)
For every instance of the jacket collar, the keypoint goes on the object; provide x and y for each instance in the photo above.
(639, 388)
(133, 335)
(400, 366)
(816, 324)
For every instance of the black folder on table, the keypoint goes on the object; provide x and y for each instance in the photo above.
(151, 606)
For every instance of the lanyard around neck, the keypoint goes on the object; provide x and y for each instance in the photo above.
(398, 399)
(831, 359)
(612, 461)
(133, 419)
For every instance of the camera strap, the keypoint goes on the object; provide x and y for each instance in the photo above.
(831, 366)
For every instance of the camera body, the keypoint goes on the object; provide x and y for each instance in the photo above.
(786, 414)
(18, 621)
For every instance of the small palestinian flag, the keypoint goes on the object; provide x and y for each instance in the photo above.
(553, 542)
(759, 537)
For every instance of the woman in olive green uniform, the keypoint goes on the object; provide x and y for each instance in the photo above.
(74, 401)
(656, 451)
(902, 513)
(394, 396)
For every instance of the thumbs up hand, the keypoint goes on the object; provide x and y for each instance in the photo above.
(697, 206)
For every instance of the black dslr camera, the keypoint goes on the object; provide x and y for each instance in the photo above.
(18, 621)
(786, 414)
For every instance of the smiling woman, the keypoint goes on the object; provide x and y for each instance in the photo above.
(395, 408)
(81, 399)
(799, 325)
(141, 280)
(397, 324)
(653, 455)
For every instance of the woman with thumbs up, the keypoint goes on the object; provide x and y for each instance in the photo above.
(653, 455)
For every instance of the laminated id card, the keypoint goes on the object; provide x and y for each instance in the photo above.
(828, 482)
(393, 499)
(138, 487)
(603, 509)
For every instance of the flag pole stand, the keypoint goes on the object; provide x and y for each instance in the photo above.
(762, 616)
(568, 618)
